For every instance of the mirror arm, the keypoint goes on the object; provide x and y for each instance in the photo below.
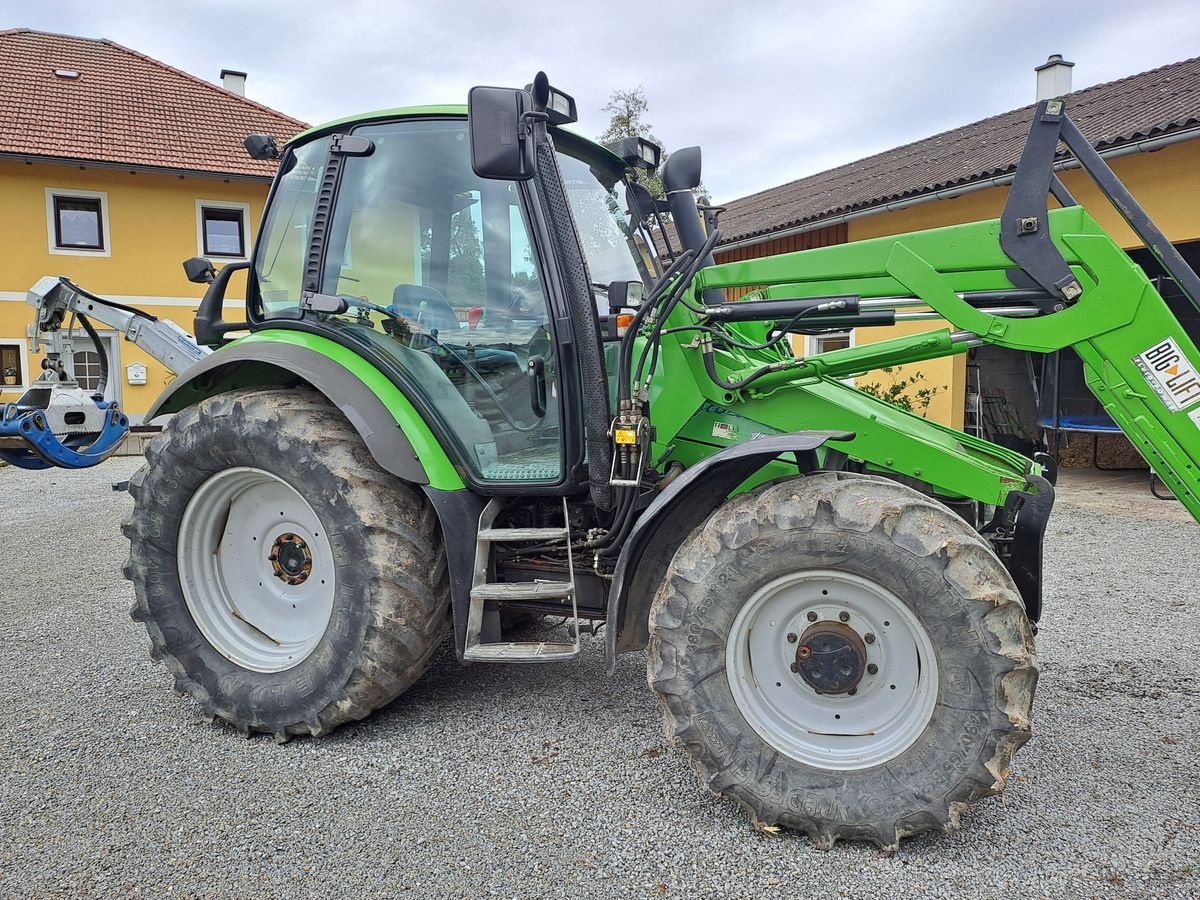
(208, 326)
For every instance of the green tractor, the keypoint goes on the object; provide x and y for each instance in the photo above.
(475, 391)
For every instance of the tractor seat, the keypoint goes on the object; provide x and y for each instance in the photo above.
(426, 306)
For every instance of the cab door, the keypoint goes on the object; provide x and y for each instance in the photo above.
(441, 278)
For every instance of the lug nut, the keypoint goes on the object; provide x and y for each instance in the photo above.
(852, 691)
(845, 616)
(792, 638)
(812, 617)
(869, 638)
(872, 669)
(795, 667)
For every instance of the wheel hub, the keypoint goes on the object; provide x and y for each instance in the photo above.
(256, 568)
(831, 657)
(291, 558)
(787, 656)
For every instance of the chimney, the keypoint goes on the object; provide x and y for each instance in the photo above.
(236, 81)
(1053, 77)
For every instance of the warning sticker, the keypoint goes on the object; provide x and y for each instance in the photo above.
(726, 430)
(1171, 376)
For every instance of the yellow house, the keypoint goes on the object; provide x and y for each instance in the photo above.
(114, 168)
(1146, 126)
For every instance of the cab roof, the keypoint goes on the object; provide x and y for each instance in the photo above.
(457, 110)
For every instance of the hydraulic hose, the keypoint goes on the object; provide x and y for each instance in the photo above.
(656, 294)
(674, 298)
(711, 368)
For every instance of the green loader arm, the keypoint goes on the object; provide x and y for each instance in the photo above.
(1138, 360)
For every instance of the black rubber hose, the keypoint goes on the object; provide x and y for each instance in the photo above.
(698, 262)
(100, 352)
(104, 300)
(711, 368)
(625, 357)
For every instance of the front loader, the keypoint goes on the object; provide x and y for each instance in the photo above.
(474, 393)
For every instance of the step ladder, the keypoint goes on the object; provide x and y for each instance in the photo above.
(484, 592)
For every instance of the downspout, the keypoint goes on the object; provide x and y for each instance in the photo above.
(1148, 145)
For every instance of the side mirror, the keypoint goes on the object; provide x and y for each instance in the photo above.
(199, 270)
(261, 146)
(501, 142)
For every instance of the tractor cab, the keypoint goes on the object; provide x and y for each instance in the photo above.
(380, 235)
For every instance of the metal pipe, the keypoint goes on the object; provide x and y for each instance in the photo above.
(975, 298)
(1148, 145)
(1011, 312)
(970, 338)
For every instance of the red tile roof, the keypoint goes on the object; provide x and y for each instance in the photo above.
(124, 108)
(1160, 101)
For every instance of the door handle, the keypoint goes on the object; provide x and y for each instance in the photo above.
(537, 385)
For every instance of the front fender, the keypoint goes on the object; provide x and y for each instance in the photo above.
(673, 515)
(394, 432)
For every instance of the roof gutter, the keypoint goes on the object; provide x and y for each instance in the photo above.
(1147, 145)
(134, 167)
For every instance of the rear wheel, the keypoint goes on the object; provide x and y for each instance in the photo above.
(843, 656)
(288, 583)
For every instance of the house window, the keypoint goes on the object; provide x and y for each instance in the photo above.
(87, 370)
(77, 222)
(221, 228)
(224, 232)
(13, 374)
(830, 340)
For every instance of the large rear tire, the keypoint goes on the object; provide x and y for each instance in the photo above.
(843, 656)
(288, 583)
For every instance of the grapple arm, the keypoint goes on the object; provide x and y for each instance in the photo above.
(56, 422)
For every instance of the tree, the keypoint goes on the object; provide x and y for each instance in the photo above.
(627, 110)
(465, 285)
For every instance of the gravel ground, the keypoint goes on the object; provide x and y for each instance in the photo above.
(555, 781)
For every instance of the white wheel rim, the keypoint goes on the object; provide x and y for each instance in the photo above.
(262, 614)
(890, 707)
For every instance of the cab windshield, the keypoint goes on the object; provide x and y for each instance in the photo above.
(616, 248)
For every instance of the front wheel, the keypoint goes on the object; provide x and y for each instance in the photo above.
(843, 656)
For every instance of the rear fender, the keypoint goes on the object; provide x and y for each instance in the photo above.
(394, 432)
(674, 514)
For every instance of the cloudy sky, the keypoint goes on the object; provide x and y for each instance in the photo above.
(771, 90)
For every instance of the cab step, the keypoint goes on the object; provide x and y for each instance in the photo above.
(487, 595)
(522, 651)
(523, 590)
(523, 534)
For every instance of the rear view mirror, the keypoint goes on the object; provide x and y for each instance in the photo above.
(501, 143)
(199, 270)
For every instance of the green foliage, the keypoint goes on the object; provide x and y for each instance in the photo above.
(465, 277)
(910, 394)
(627, 118)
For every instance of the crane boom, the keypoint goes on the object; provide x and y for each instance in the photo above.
(58, 423)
